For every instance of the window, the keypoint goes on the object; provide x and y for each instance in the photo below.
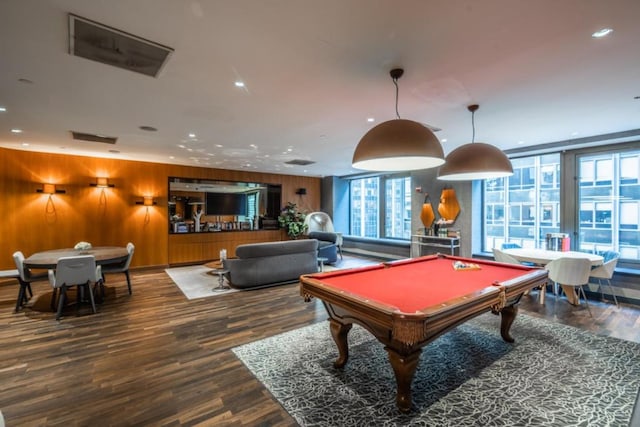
(397, 202)
(530, 198)
(389, 195)
(603, 206)
(364, 203)
(609, 200)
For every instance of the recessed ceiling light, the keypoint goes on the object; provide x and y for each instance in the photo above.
(181, 146)
(171, 157)
(218, 145)
(239, 84)
(520, 142)
(444, 140)
(16, 130)
(192, 135)
(575, 133)
(601, 33)
(25, 144)
(3, 109)
(253, 146)
(370, 119)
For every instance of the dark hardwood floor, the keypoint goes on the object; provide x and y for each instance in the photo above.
(155, 358)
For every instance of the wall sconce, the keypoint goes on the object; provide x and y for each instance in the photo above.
(102, 183)
(301, 191)
(50, 189)
(147, 201)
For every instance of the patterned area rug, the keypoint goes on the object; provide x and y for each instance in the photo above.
(554, 375)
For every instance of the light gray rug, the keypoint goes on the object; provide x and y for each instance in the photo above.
(196, 281)
(554, 375)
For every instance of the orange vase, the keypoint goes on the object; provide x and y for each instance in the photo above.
(427, 216)
(448, 207)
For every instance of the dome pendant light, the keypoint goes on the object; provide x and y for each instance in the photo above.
(476, 160)
(399, 144)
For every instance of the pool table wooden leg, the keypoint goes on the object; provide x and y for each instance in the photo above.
(508, 315)
(404, 367)
(339, 332)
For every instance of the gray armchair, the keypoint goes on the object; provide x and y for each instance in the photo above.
(321, 222)
(327, 247)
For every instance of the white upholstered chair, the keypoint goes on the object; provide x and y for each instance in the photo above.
(605, 272)
(321, 221)
(78, 271)
(122, 267)
(500, 256)
(25, 278)
(571, 272)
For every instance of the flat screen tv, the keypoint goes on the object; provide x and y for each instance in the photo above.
(226, 204)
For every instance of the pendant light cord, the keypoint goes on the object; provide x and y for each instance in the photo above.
(395, 82)
(473, 109)
(473, 127)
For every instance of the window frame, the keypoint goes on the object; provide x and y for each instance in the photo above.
(382, 204)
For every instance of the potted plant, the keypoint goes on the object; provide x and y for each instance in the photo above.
(292, 220)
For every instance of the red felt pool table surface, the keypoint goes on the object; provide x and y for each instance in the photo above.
(416, 284)
(407, 304)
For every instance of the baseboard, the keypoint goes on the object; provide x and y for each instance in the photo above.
(371, 254)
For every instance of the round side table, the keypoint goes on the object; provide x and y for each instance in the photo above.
(221, 286)
(321, 261)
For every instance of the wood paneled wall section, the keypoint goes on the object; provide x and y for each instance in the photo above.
(33, 222)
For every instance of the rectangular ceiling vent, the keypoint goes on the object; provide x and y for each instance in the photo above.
(432, 128)
(91, 40)
(299, 162)
(81, 136)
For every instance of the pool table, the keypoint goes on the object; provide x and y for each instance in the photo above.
(408, 303)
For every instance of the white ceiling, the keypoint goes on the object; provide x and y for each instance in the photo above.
(314, 72)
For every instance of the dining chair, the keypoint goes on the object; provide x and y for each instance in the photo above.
(79, 271)
(501, 256)
(122, 267)
(571, 272)
(25, 278)
(510, 245)
(605, 272)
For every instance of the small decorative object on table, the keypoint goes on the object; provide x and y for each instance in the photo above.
(82, 246)
(459, 265)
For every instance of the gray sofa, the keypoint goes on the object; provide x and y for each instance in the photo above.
(258, 265)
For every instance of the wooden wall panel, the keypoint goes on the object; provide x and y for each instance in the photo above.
(33, 222)
(195, 247)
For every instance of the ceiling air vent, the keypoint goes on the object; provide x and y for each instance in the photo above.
(91, 40)
(299, 162)
(81, 136)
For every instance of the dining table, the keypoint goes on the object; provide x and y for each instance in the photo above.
(542, 257)
(103, 255)
(48, 260)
